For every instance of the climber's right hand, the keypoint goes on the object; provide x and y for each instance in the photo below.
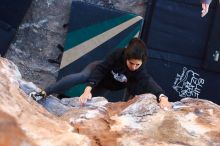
(86, 95)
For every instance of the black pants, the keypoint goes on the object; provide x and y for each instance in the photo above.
(74, 79)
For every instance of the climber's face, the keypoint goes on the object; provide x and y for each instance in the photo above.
(133, 64)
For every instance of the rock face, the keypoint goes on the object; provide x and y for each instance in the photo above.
(10, 132)
(138, 122)
(40, 126)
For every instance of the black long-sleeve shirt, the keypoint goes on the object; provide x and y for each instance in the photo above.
(114, 74)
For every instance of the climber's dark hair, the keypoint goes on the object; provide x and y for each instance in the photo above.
(136, 49)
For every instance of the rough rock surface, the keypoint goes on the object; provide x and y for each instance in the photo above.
(40, 126)
(10, 133)
(41, 31)
(138, 122)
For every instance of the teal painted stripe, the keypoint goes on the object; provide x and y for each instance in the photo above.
(76, 37)
(76, 91)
